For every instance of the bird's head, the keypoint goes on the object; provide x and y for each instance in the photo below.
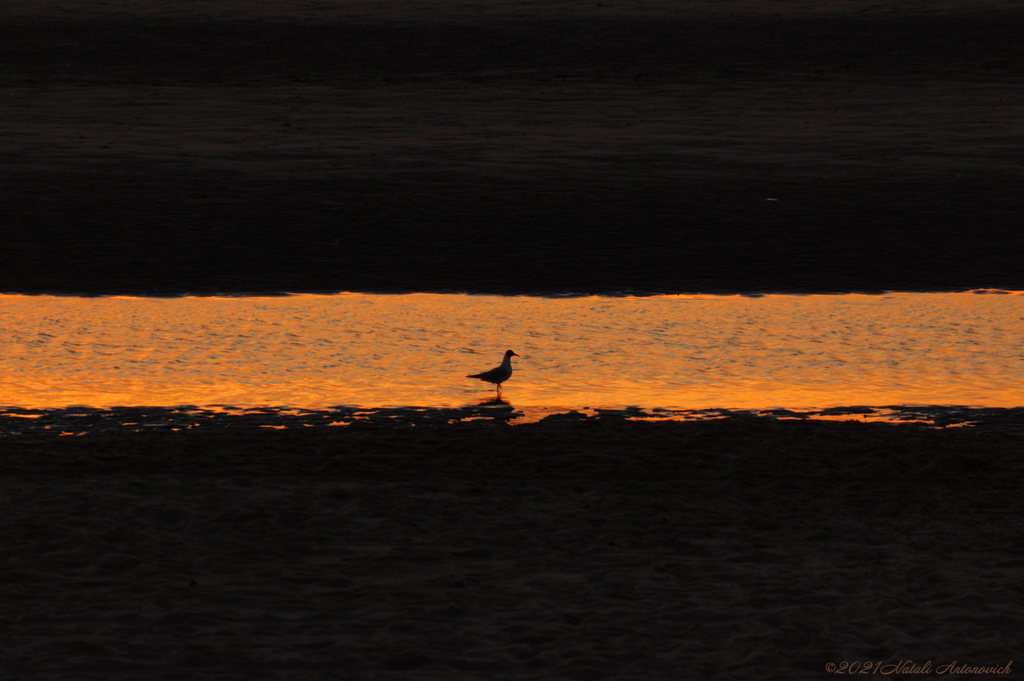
(509, 353)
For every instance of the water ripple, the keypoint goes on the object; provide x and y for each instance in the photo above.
(373, 351)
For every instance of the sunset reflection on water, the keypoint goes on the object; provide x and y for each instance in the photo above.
(399, 350)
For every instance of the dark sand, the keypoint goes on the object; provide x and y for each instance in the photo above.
(738, 549)
(510, 146)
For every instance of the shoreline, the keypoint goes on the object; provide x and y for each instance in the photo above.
(83, 420)
(552, 295)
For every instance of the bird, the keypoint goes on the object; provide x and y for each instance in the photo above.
(498, 375)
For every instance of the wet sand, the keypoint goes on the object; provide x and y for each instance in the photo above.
(82, 420)
(512, 147)
(738, 549)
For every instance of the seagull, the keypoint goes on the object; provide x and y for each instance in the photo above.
(498, 375)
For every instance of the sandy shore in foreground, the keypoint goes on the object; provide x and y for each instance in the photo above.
(616, 550)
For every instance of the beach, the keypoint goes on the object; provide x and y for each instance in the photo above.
(558, 149)
(729, 549)
(511, 148)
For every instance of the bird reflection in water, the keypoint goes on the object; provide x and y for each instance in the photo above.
(494, 402)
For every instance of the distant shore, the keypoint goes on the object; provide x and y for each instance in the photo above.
(541, 148)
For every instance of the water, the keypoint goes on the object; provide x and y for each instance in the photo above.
(681, 352)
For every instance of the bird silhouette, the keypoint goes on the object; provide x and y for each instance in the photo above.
(500, 374)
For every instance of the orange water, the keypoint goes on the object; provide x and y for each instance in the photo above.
(400, 350)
